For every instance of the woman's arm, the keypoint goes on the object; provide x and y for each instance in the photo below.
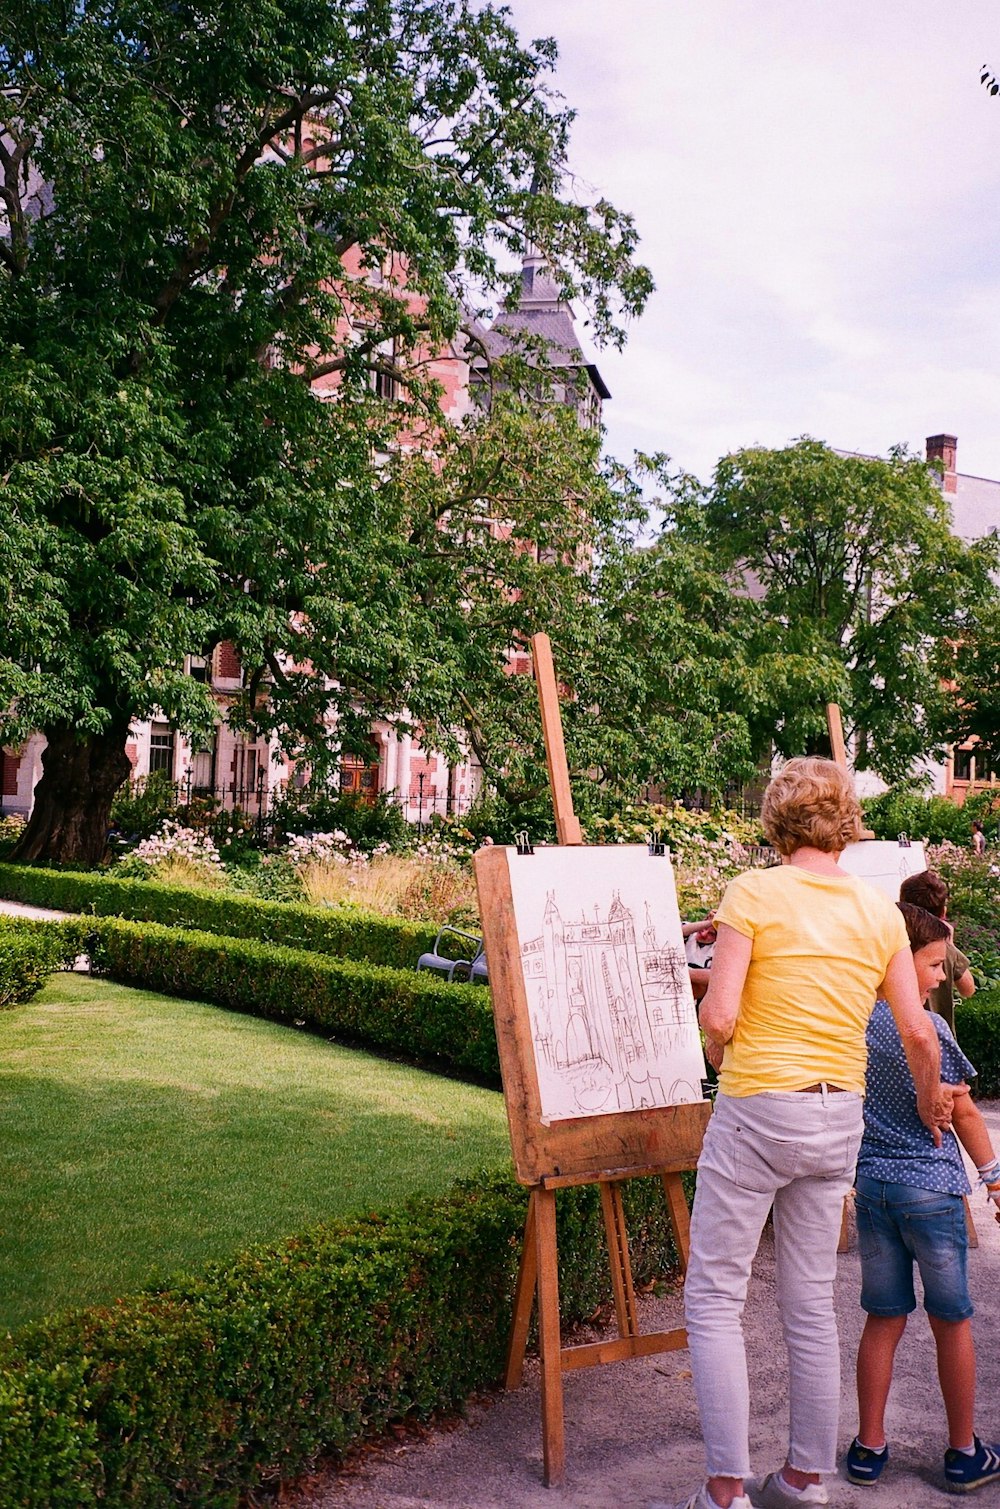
(920, 1043)
(721, 1005)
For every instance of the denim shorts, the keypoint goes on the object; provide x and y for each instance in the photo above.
(899, 1225)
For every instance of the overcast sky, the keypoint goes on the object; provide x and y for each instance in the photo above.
(817, 187)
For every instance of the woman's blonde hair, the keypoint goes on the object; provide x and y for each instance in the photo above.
(811, 802)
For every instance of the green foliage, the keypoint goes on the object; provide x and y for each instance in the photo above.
(30, 952)
(367, 824)
(141, 808)
(977, 1027)
(351, 935)
(173, 279)
(187, 1395)
(861, 589)
(907, 809)
(414, 1014)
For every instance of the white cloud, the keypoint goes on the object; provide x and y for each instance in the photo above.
(815, 183)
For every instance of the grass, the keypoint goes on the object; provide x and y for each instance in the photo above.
(145, 1136)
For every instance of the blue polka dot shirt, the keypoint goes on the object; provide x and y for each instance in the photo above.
(897, 1147)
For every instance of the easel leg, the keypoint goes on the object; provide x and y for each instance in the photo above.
(553, 1438)
(621, 1267)
(680, 1217)
(524, 1298)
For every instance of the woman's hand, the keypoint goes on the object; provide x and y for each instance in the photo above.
(713, 1055)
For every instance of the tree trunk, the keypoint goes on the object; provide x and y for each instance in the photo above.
(80, 775)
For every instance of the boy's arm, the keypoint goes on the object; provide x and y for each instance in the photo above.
(973, 1133)
(970, 1128)
(966, 985)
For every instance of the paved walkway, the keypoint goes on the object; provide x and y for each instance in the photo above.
(34, 913)
(632, 1428)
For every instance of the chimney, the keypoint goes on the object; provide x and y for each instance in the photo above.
(943, 449)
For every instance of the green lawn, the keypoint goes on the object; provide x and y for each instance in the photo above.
(143, 1135)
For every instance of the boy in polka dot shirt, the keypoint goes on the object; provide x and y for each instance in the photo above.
(910, 1209)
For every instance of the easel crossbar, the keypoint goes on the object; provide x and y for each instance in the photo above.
(620, 1349)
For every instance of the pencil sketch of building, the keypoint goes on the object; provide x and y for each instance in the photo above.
(612, 1013)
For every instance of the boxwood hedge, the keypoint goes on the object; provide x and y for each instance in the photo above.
(399, 1011)
(29, 952)
(977, 1027)
(188, 1395)
(349, 935)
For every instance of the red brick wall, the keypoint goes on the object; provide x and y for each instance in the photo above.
(11, 766)
(228, 661)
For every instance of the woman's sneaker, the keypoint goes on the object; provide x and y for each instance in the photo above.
(864, 1465)
(965, 1471)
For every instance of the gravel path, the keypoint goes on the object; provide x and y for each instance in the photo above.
(632, 1428)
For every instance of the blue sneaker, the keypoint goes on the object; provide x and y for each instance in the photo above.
(963, 1473)
(865, 1465)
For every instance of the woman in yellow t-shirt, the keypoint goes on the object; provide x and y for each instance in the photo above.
(802, 953)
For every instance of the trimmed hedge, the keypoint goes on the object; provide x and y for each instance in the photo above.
(346, 935)
(401, 1011)
(31, 951)
(187, 1395)
(977, 1027)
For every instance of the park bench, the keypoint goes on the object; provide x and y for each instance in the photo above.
(471, 969)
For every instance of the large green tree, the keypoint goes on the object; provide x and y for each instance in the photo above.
(853, 565)
(179, 184)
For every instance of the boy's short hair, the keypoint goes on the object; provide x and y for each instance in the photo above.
(926, 890)
(922, 927)
(811, 802)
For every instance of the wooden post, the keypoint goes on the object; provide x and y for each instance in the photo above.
(836, 728)
(568, 829)
(838, 750)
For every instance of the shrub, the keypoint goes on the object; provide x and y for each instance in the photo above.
(141, 807)
(30, 952)
(351, 935)
(417, 1015)
(907, 809)
(367, 824)
(191, 1394)
(11, 828)
(973, 884)
(977, 1027)
(176, 856)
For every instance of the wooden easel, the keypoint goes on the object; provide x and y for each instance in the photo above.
(839, 753)
(606, 1150)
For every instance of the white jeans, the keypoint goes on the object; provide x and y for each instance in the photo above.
(796, 1152)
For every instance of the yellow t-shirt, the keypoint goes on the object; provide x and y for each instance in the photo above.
(821, 947)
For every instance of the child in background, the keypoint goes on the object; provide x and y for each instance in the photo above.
(910, 1209)
(930, 891)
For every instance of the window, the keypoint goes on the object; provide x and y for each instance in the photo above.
(161, 748)
(963, 766)
(383, 383)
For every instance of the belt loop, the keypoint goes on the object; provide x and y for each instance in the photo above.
(823, 1090)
